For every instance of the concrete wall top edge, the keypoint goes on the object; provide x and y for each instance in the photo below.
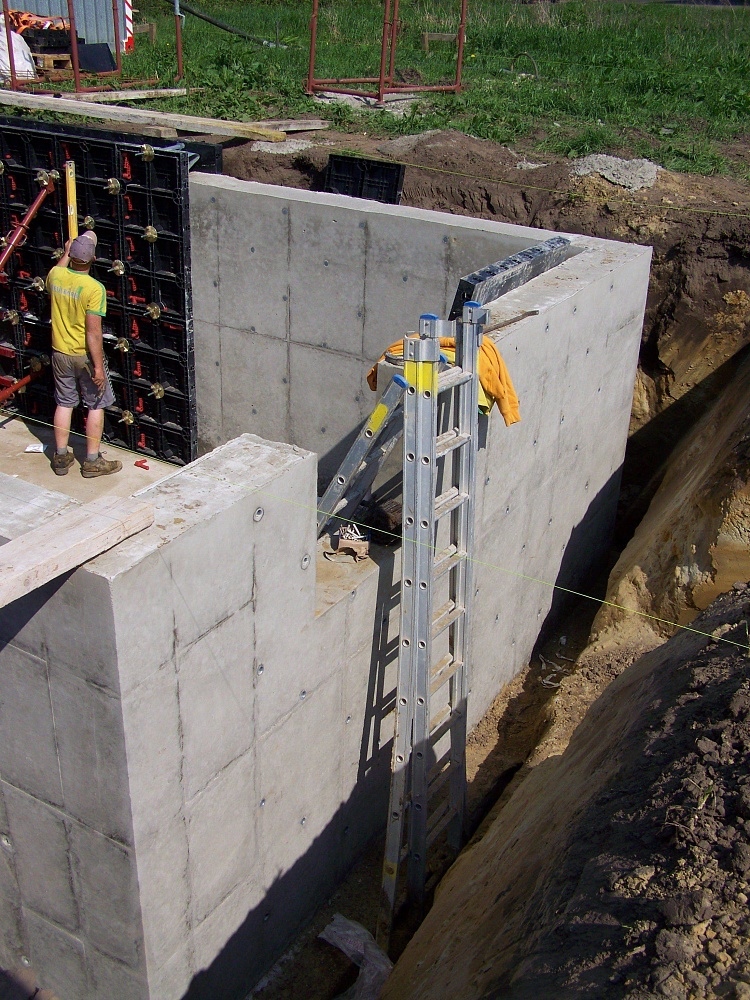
(237, 470)
(343, 202)
(599, 259)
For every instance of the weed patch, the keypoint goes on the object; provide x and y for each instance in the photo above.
(662, 80)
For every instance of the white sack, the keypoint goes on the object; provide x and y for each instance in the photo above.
(22, 60)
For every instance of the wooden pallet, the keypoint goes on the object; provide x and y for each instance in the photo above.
(47, 61)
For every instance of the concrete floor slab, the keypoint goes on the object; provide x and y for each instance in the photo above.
(16, 435)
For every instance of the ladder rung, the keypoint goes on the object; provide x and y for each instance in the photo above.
(441, 776)
(442, 723)
(449, 441)
(446, 560)
(452, 377)
(443, 671)
(434, 819)
(445, 616)
(448, 501)
(445, 814)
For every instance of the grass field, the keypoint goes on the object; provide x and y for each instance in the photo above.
(660, 80)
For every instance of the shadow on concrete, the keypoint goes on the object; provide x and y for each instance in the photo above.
(21, 984)
(14, 617)
(380, 702)
(585, 567)
(291, 900)
(294, 897)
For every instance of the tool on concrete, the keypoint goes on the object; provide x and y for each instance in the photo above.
(72, 199)
(352, 541)
(495, 280)
(428, 792)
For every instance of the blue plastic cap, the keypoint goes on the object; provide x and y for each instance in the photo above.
(473, 305)
(429, 316)
(400, 380)
(444, 359)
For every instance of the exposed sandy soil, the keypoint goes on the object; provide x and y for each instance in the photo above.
(619, 869)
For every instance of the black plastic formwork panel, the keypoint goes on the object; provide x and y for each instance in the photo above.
(377, 180)
(135, 197)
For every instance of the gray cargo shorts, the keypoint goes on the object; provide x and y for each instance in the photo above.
(73, 382)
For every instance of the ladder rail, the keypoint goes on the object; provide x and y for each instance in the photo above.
(421, 356)
(415, 820)
(363, 444)
(461, 575)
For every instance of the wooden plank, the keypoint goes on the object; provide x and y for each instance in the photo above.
(155, 131)
(137, 116)
(146, 27)
(68, 540)
(295, 124)
(437, 36)
(113, 96)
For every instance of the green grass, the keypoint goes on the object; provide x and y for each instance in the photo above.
(660, 80)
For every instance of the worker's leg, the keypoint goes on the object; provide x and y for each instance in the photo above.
(94, 430)
(63, 415)
(96, 399)
(66, 397)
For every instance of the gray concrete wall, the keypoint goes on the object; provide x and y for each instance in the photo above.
(296, 294)
(69, 903)
(235, 687)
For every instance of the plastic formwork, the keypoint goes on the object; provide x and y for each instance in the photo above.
(134, 195)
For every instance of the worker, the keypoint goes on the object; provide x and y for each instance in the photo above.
(78, 304)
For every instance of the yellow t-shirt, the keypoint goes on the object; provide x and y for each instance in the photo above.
(73, 295)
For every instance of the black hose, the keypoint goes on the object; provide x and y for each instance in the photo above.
(223, 25)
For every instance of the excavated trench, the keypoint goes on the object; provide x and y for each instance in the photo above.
(689, 413)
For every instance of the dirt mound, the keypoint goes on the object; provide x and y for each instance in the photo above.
(698, 310)
(694, 541)
(619, 869)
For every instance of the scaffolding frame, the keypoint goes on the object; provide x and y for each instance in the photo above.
(384, 80)
(16, 84)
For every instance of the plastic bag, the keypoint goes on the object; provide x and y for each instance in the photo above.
(359, 946)
(22, 59)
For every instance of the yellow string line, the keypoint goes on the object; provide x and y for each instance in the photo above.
(537, 187)
(253, 491)
(514, 573)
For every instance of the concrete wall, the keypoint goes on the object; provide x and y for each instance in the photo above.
(296, 294)
(235, 687)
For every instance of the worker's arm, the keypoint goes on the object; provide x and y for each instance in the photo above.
(65, 259)
(62, 262)
(95, 349)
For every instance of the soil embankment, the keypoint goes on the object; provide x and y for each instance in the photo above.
(619, 869)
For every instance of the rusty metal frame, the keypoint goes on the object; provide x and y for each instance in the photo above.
(16, 84)
(384, 80)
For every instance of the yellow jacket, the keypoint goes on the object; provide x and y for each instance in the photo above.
(493, 376)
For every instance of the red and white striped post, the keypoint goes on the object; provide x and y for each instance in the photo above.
(129, 36)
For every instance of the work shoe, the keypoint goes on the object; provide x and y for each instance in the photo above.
(61, 463)
(101, 467)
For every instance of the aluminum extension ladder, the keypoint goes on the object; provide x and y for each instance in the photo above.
(366, 455)
(428, 778)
